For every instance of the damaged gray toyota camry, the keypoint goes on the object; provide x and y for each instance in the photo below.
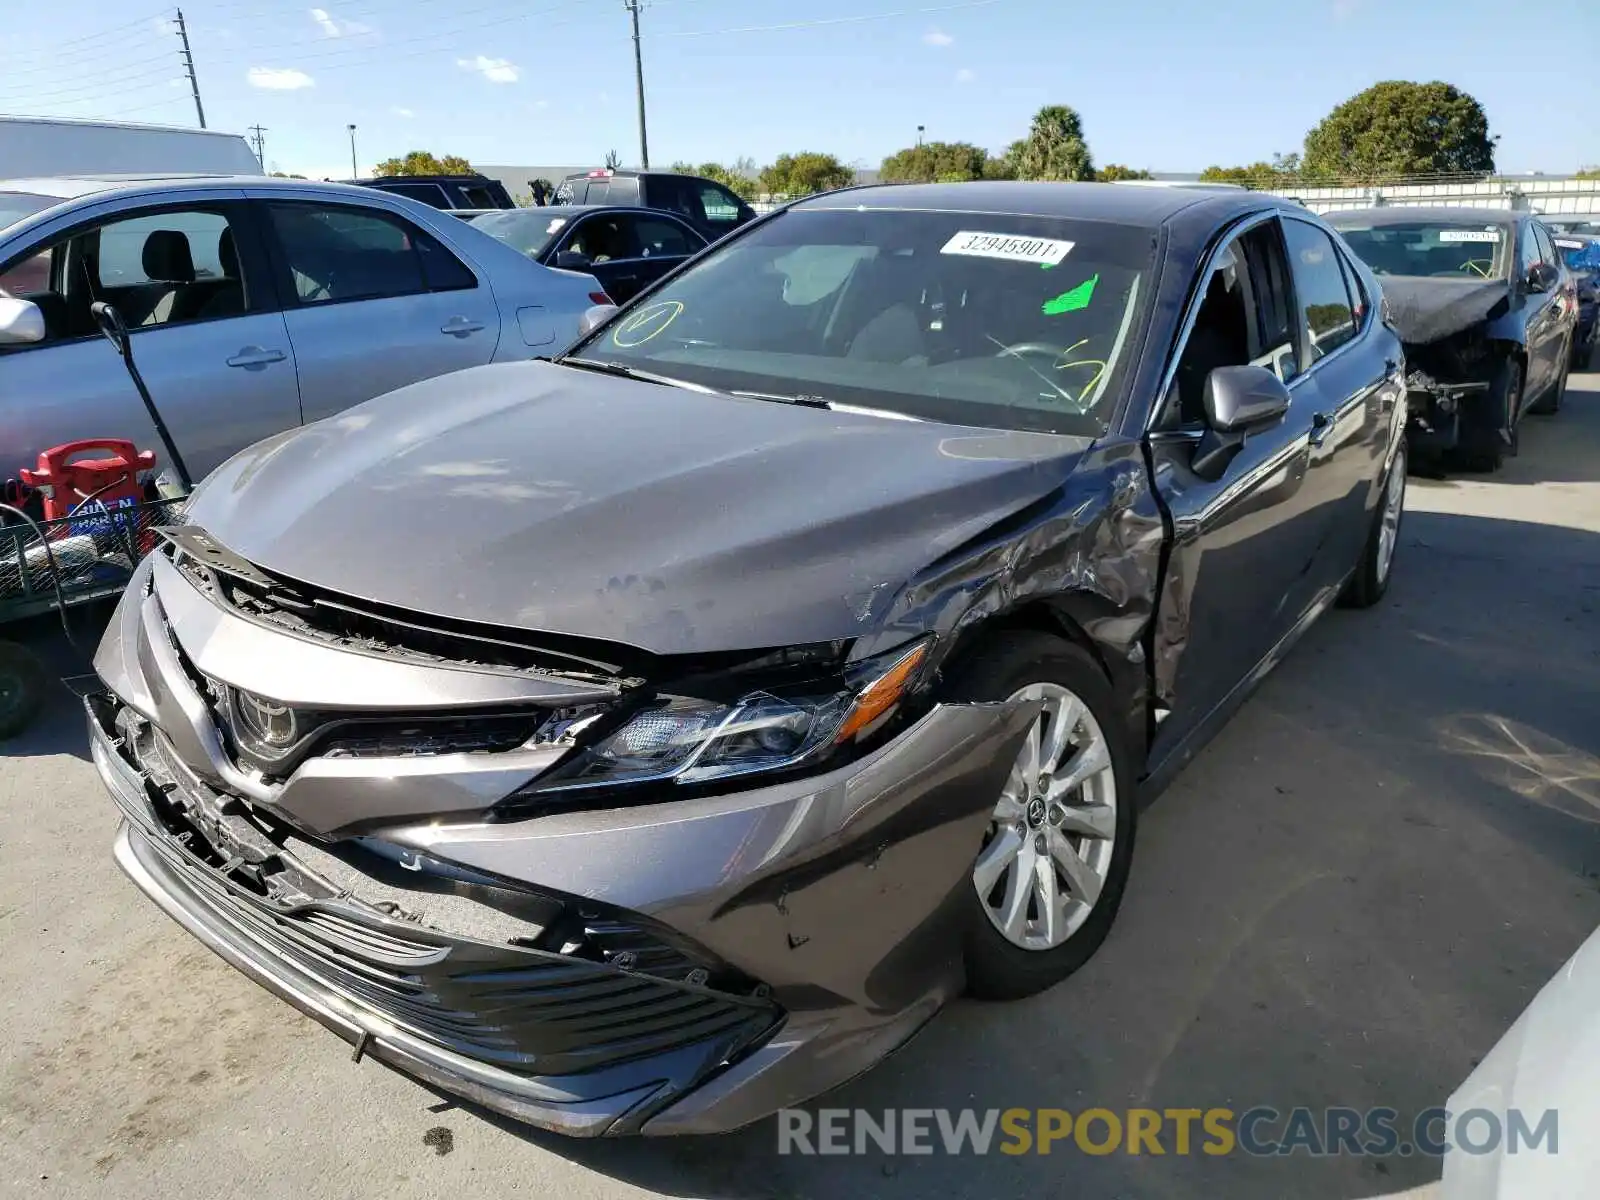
(644, 741)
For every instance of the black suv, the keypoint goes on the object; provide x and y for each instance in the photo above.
(709, 207)
(445, 191)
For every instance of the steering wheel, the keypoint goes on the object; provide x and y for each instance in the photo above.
(1041, 348)
(1059, 361)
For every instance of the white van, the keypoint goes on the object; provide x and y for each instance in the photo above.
(44, 147)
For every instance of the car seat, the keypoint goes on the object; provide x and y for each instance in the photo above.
(169, 265)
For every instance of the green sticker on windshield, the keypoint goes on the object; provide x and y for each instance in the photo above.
(1072, 301)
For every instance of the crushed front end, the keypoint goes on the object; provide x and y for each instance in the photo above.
(1448, 392)
(349, 813)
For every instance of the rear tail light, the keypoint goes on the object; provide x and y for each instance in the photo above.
(599, 298)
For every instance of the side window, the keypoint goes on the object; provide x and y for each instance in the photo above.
(1320, 289)
(1243, 320)
(1547, 248)
(597, 192)
(430, 194)
(721, 206)
(568, 191)
(477, 196)
(338, 253)
(30, 275)
(1527, 251)
(1359, 302)
(441, 270)
(622, 190)
(677, 195)
(657, 238)
(601, 239)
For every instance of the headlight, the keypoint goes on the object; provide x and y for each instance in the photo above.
(687, 740)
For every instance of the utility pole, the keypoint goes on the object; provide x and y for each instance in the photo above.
(188, 65)
(261, 145)
(638, 74)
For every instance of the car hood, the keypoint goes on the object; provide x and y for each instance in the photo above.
(1424, 310)
(553, 499)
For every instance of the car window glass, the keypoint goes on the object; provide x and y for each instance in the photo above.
(1527, 251)
(1243, 319)
(598, 190)
(623, 190)
(998, 320)
(341, 253)
(1358, 292)
(568, 191)
(430, 194)
(720, 204)
(32, 274)
(478, 196)
(123, 259)
(1547, 249)
(601, 239)
(678, 196)
(1464, 249)
(1319, 288)
(442, 270)
(657, 238)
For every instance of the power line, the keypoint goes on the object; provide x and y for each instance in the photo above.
(66, 64)
(99, 86)
(113, 31)
(906, 12)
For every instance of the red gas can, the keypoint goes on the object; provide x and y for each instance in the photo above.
(67, 480)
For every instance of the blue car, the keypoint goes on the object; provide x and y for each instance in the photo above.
(1581, 253)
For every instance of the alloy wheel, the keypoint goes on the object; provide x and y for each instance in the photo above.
(1049, 847)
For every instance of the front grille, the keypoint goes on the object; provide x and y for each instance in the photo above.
(578, 990)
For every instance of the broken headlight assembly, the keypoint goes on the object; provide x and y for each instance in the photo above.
(680, 739)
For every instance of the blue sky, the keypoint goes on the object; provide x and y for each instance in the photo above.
(1163, 84)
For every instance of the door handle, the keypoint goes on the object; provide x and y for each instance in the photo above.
(460, 326)
(256, 356)
(1321, 427)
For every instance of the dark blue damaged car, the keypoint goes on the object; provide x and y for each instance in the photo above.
(643, 741)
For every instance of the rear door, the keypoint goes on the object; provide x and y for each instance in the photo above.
(1542, 315)
(373, 302)
(1243, 544)
(207, 334)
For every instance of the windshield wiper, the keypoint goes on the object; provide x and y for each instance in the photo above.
(626, 372)
(802, 399)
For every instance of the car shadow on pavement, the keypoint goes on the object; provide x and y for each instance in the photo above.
(68, 661)
(1343, 901)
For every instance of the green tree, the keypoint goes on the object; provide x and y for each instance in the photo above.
(613, 160)
(421, 162)
(738, 178)
(1055, 147)
(804, 173)
(935, 162)
(1587, 173)
(1115, 171)
(1256, 175)
(1400, 128)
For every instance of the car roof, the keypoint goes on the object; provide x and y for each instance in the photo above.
(418, 178)
(1084, 201)
(71, 187)
(1405, 214)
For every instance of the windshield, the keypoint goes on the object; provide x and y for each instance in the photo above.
(1008, 322)
(1461, 251)
(530, 231)
(16, 205)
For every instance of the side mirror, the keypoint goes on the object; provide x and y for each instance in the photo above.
(21, 321)
(1238, 401)
(571, 260)
(1542, 277)
(111, 325)
(595, 317)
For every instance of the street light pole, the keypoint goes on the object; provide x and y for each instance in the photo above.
(919, 136)
(355, 171)
(638, 75)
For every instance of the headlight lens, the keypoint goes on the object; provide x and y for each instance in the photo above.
(687, 740)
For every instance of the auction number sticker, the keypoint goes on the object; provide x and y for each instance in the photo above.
(1039, 251)
(1569, 244)
(1469, 235)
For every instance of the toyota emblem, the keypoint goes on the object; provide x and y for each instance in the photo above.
(265, 721)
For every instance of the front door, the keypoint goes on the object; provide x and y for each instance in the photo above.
(628, 251)
(1246, 544)
(205, 329)
(373, 302)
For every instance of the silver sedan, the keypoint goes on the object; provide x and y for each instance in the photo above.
(255, 304)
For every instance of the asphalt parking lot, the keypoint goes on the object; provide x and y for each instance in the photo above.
(1345, 900)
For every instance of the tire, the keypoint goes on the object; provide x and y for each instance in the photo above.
(1486, 452)
(22, 684)
(1550, 403)
(998, 966)
(1376, 568)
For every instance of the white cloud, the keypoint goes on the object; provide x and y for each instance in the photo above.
(403, 112)
(495, 70)
(331, 26)
(966, 75)
(279, 79)
(938, 37)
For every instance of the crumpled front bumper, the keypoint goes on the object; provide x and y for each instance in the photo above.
(840, 897)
